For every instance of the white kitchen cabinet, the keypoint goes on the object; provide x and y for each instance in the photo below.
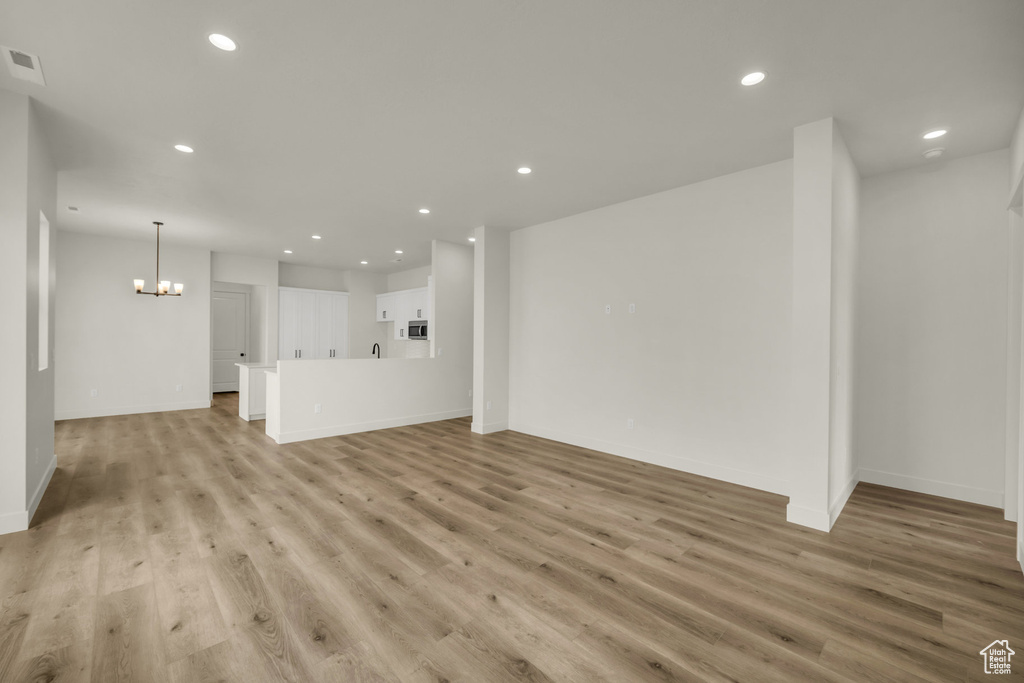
(332, 325)
(403, 306)
(296, 324)
(385, 308)
(312, 324)
(419, 304)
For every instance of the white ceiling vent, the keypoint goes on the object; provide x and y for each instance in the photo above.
(23, 65)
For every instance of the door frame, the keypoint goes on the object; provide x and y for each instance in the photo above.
(231, 288)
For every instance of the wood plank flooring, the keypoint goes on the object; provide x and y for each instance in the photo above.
(187, 546)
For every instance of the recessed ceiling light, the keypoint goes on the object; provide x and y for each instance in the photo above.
(935, 134)
(223, 42)
(398, 251)
(753, 78)
(525, 170)
(287, 251)
(424, 210)
(363, 262)
(184, 148)
(472, 239)
(317, 237)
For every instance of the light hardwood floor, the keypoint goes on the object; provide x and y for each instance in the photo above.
(187, 546)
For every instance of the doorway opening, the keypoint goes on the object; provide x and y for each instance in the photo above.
(230, 333)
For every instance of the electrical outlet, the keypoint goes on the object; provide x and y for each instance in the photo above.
(632, 308)
(439, 350)
(629, 423)
(471, 393)
(318, 408)
(93, 393)
(488, 405)
(608, 309)
(177, 387)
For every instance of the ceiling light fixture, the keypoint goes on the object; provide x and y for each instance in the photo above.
(162, 286)
(317, 237)
(73, 209)
(363, 262)
(424, 210)
(934, 134)
(223, 42)
(184, 148)
(525, 170)
(753, 78)
(472, 239)
(398, 251)
(287, 251)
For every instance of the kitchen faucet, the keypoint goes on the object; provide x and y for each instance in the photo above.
(376, 349)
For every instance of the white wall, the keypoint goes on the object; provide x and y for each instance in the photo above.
(702, 366)
(29, 187)
(310, 277)
(133, 349)
(930, 383)
(843, 466)
(42, 199)
(409, 279)
(1014, 469)
(359, 395)
(363, 329)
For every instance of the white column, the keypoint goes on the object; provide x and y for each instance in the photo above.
(825, 208)
(490, 330)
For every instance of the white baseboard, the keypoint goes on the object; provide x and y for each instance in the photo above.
(131, 410)
(19, 521)
(968, 494)
(488, 428)
(33, 503)
(814, 519)
(355, 428)
(839, 503)
(13, 521)
(675, 462)
(1020, 555)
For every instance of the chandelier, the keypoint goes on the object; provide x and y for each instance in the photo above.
(162, 286)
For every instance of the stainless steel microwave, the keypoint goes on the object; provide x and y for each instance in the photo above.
(417, 329)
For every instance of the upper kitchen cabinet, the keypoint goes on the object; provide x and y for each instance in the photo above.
(386, 308)
(312, 324)
(402, 307)
(419, 304)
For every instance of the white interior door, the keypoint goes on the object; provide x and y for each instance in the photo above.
(230, 338)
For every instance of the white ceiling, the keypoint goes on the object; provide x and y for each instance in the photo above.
(344, 118)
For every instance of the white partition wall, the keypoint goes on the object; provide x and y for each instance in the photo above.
(27, 194)
(659, 328)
